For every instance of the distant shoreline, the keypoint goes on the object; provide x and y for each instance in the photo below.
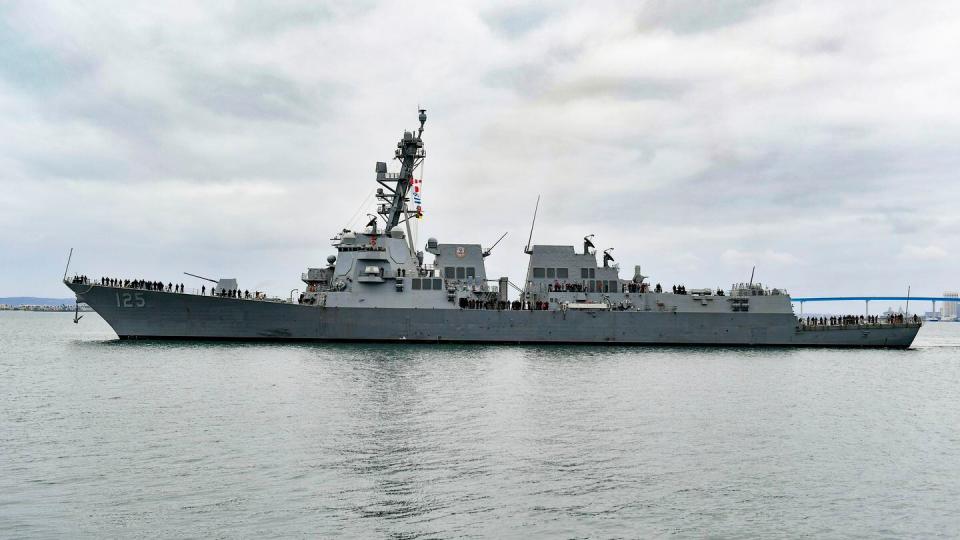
(35, 301)
(39, 303)
(83, 308)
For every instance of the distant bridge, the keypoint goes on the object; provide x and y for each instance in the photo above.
(868, 299)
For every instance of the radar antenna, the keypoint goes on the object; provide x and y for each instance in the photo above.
(527, 249)
(587, 244)
(607, 257)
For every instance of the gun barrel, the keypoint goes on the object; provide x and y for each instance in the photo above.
(201, 277)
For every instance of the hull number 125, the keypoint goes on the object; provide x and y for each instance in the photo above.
(130, 299)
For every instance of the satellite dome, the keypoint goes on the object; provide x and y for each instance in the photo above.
(331, 259)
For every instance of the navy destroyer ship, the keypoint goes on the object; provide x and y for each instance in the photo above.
(378, 287)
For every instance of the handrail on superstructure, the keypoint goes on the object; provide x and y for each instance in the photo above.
(872, 298)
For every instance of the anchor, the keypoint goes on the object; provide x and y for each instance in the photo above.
(76, 313)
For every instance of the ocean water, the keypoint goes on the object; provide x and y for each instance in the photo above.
(101, 438)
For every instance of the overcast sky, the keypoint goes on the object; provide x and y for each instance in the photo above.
(819, 141)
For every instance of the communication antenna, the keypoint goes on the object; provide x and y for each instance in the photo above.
(486, 252)
(527, 250)
(751, 275)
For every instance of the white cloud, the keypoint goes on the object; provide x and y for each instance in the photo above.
(924, 253)
(743, 259)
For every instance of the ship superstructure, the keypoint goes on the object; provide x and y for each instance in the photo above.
(378, 287)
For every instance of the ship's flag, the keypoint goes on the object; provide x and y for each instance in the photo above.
(417, 200)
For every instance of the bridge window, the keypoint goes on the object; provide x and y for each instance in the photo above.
(415, 284)
(539, 272)
(459, 272)
(563, 273)
(438, 284)
(551, 273)
(583, 273)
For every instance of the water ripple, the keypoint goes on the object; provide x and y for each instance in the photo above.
(103, 438)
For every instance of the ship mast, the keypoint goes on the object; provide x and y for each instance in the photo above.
(410, 153)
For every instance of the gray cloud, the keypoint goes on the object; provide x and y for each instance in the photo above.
(255, 96)
(816, 140)
(517, 20)
(694, 16)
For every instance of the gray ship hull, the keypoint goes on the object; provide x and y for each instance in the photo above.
(141, 314)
